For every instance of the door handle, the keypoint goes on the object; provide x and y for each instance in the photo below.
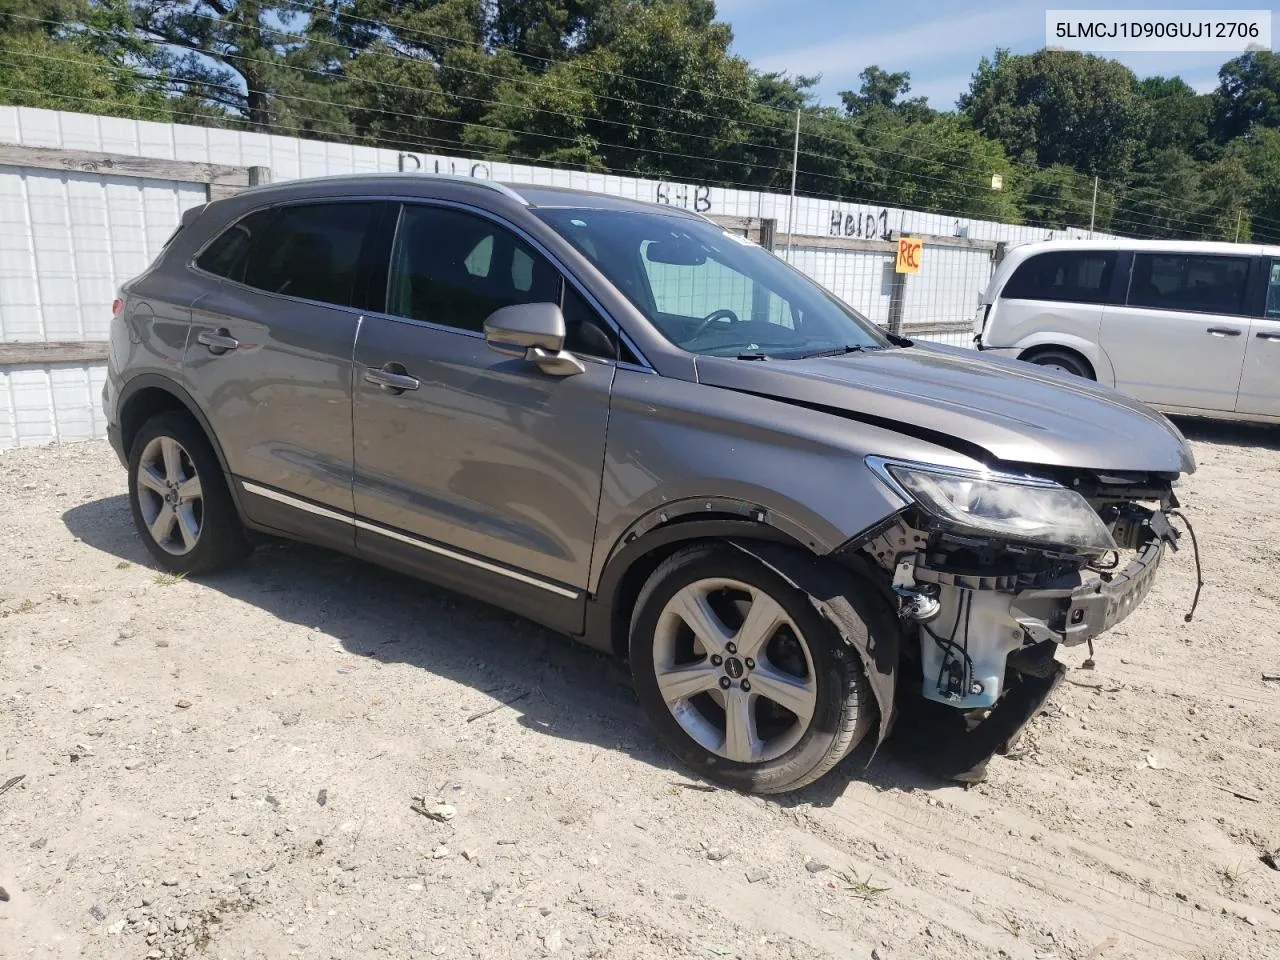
(218, 343)
(392, 378)
(1269, 336)
(1223, 332)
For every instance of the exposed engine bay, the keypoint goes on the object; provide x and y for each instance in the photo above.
(982, 615)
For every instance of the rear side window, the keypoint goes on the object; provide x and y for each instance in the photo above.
(1080, 276)
(311, 251)
(1202, 284)
(229, 252)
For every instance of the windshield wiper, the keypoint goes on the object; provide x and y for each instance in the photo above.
(836, 351)
(753, 356)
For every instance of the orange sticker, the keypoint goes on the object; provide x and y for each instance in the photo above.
(910, 252)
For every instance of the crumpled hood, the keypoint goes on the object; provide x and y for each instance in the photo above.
(1016, 412)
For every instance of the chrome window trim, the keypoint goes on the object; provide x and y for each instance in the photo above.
(359, 524)
(644, 366)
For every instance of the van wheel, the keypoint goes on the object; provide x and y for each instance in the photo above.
(1068, 361)
(741, 676)
(181, 505)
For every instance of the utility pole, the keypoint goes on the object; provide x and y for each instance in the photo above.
(1093, 213)
(1239, 215)
(791, 206)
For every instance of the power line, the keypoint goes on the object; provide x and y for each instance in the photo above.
(853, 124)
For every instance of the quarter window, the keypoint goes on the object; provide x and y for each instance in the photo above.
(1202, 284)
(311, 251)
(1080, 276)
(227, 255)
(455, 269)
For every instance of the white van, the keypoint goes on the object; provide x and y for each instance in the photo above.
(1191, 328)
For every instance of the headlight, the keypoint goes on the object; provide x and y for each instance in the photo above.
(1018, 508)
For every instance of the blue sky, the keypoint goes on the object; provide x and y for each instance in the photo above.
(938, 42)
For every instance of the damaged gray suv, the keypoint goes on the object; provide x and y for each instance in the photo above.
(629, 425)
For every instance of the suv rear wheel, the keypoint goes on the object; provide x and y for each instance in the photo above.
(181, 505)
(742, 677)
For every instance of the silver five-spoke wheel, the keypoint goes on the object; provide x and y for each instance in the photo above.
(734, 670)
(169, 496)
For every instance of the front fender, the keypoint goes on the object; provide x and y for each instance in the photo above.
(851, 606)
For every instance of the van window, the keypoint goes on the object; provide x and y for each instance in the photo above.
(1204, 284)
(1080, 276)
(311, 251)
(1273, 292)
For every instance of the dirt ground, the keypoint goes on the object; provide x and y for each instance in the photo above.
(227, 769)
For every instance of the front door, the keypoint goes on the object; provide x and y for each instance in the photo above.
(1179, 339)
(1260, 379)
(474, 468)
(269, 354)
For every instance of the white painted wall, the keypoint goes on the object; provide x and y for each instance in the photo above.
(68, 240)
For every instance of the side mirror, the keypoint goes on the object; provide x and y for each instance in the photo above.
(536, 332)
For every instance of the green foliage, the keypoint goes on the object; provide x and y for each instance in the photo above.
(651, 87)
(1058, 106)
(38, 68)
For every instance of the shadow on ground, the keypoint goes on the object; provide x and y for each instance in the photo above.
(564, 689)
(1237, 434)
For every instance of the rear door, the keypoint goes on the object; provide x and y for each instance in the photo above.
(1179, 338)
(1260, 380)
(270, 350)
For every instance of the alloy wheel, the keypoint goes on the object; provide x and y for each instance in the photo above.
(170, 496)
(734, 670)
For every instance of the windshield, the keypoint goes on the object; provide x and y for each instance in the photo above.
(711, 292)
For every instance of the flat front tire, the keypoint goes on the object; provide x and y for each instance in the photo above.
(741, 676)
(181, 505)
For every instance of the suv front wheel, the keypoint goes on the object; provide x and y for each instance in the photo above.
(740, 674)
(181, 505)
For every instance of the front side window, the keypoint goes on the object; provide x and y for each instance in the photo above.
(1076, 276)
(1203, 284)
(709, 291)
(311, 251)
(455, 269)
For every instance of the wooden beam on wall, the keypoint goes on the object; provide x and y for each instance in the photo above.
(122, 165)
(53, 352)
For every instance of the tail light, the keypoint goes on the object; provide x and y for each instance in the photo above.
(116, 306)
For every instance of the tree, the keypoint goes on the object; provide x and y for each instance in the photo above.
(52, 56)
(880, 96)
(1057, 197)
(1057, 106)
(244, 58)
(1248, 95)
(655, 92)
(1180, 117)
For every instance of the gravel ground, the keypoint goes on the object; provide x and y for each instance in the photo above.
(313, 757)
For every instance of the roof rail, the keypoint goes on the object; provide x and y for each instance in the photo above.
(494, 185)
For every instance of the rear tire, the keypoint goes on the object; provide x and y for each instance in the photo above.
(181, 505)
(763, 695)
(1068, 361)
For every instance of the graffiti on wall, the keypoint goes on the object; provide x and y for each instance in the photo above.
(413, 163)
(690, 197)
(863, 224)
